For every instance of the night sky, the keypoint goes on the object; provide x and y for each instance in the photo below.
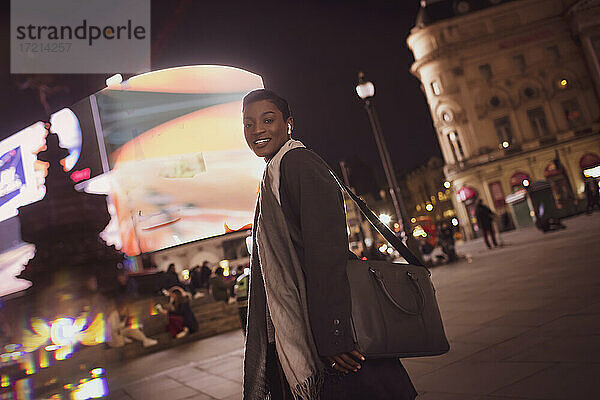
(308, 52)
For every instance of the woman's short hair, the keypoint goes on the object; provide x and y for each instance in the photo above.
(269, 95)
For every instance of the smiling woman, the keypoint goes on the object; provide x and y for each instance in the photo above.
(267, 122)
(299, 338)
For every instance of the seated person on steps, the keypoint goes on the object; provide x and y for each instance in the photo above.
(120, 332)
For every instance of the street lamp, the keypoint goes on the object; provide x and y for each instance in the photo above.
(114, 80)
(366, 90)
(385, 218)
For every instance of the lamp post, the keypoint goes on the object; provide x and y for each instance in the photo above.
(366, 91)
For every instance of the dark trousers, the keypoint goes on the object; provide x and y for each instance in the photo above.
(489, 231)
(243, 312)
(591, 204)
(280, 390)
(381, 379)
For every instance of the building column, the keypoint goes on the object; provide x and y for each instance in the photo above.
(592, 60)
(518, 128)
(462, 215)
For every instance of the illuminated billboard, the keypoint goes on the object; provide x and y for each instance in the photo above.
(22, 174)
(180, 168)
(166, 146)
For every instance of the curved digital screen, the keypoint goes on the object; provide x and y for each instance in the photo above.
(180, 168)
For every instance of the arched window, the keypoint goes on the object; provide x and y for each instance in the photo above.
(455, 145)
(537, 120)
(572, 113)
(504, 131)
(519, 180)
(435, 88)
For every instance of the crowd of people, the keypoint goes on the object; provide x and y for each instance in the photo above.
(119, 306)
(202, 280)
(445, 241)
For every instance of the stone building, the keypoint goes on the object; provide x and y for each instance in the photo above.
(513, 89)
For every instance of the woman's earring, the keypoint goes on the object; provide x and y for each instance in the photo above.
(289, 129)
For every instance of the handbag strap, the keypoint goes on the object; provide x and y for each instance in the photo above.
(379, 277)
(380, 226)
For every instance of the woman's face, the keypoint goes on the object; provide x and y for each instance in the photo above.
(264, 128)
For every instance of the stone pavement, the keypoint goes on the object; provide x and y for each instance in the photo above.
(523, 321)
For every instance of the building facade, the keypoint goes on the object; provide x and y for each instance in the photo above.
(513, 89)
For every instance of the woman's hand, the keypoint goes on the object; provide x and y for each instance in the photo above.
(346, 362)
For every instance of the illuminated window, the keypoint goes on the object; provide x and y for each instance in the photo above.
(562, 83)
(449, 213)
(572, 113)
(455, 146)
(435, 87)
(537, 120)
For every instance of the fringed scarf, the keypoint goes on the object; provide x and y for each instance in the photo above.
(277, 284)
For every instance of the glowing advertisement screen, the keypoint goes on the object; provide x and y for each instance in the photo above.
(180, 168)
(12, 175)
(22, 174)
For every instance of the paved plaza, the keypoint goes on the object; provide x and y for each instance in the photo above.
(523, 321)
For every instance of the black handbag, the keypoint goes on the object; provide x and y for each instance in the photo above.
(394, 309)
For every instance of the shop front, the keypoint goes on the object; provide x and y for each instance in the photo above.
(520, 208)
(590, 165)
(468, 197)
(557, 178)
(519, 180)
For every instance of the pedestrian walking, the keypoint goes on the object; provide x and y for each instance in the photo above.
(241, 297)
(205, 275)
(592, 195)
(299, 342)
(127, 288)
(170, 278)
(220, 287)
(196, 282)
(485, 217)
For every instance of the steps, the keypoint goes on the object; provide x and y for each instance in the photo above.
(213, 318)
